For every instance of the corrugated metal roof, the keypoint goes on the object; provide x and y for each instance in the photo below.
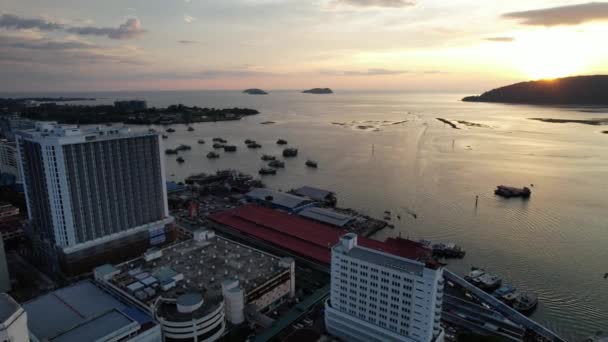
(278, 198)
(100, 328)
(326, 216)
(313, 193)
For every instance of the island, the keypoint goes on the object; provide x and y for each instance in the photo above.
(318, 91)
(102, 114)
(254, 91)
(576, 90)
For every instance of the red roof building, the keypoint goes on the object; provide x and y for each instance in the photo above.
(308, 238)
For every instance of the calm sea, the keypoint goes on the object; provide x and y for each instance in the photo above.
(406, 161)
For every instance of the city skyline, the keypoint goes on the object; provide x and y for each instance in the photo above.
(344, 44)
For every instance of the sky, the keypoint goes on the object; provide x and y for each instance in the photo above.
(410, 45)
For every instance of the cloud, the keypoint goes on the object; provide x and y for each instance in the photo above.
(13, 22)
(375, 72)
(189, 19)
(500, 39)
(187, 41)
(375, 3)
(130, 29)
(563, 15)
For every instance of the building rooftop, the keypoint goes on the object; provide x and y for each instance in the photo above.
(8, 306)
(77, 134)
(305, 237)
(194, 268)
(313, 193)
(278, 198)
(384, 259)
(74, 313)
(326, 216)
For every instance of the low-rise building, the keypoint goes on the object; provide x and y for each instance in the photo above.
(278, 200)
(85, 312)
(197, 287)
(13, 320)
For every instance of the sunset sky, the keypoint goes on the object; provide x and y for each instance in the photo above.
(415, 45)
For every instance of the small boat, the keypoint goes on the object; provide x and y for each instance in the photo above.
(267, 171)
(218, 145)
(249, 141)
(170, 130)
(180, 160)
(201, 141)
(525, 303)
(268, 158)
(170, 151)
(510, 191)
(190, 128)
(489, 282)
(387, 212)
(276, 164)
(165, 137)
(183, 148)
(229, 148)
(220, 140)
(448, 250)
(605, 275)
(311, 163)
(212, 155)
(387, 218)
(281, 142)
(290, 152)
(254, 145)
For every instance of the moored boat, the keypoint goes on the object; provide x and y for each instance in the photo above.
(282, 142)
(218, 145)
(170, 130)
(290, 152)
(267, 171)
(510, 191)
(525, 303)
(311, 163)
(180, 160)
(254, 145)
(212, 155)
(268, 157)
(201, 141)
(230, 148)
(276, 164)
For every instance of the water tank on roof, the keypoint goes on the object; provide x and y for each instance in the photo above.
(234, 301)
(189, 302)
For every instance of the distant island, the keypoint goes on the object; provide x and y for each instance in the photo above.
(138, 113)
(577, 90)
(254, 91)
(318, 91)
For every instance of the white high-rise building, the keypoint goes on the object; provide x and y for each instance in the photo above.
(377, 296)
(92, 193)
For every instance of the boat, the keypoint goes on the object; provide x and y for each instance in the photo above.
(448, 250)
(165, 137)
(268, 158)
(190, 128)
(152, 130)
(276, 164)
(254, 145)
(267, 171)
(281, 142)
(220, 140)
(482, 279)
(311, 163)
(525, 302)
(510, 191)
(504, 292)
(183, 148)
(212, 155)
(229, 148)
(180, 160)
(218, 145)
(290, 152)
(170, 151)
(201, 141)
(249, 141)
(170, 130)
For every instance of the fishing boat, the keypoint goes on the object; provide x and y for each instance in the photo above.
(311, 163)
(249, 141)
(276, 164)
(510, 191)
(267, 171)
(170, 130)
(254, 145)
(290, 152)
(165, 137)
(170, 151)
(220, 140)
(218, 145)
(229, 148)
(212, 155)
(268, 158)
(525, 302)
(180, 160)
(201, 141)
(183, 148)
(190, 128)
(281, 142)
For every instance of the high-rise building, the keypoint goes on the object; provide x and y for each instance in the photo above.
(9, 166)
(94, 195)
(377, 296)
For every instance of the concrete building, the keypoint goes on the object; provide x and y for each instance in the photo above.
(376, 296)
(13, 320)
(9, 125)
(93, 195)
(326, 216)
(278, 200)
(9, 165)
(195, 289)
(85, 312)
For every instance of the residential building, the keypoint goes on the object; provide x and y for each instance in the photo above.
(13, 320)
(13, 123)
(376, 296)
(9, 166)
(93, 194)
(85, 312)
